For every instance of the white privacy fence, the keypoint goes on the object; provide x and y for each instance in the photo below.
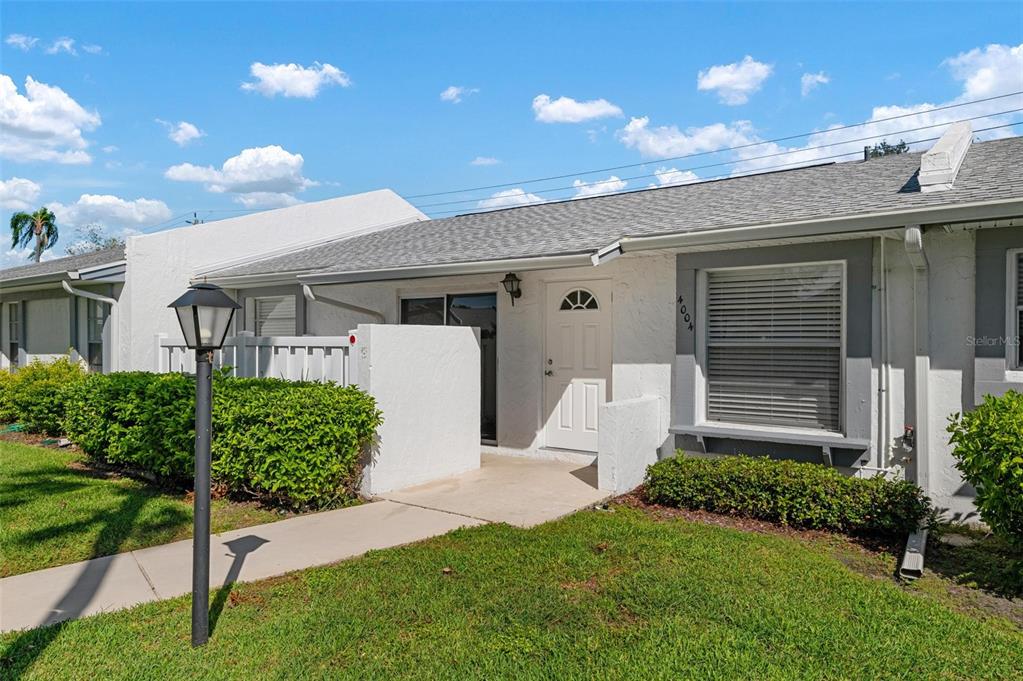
(295, 358)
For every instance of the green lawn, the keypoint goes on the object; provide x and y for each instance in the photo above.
(53, 514)
(611, 595)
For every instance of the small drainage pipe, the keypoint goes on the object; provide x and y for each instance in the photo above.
(913, 560)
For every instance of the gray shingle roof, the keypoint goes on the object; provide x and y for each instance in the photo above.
(991, 170)
(61, 266)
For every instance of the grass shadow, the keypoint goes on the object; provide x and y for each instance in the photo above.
(17, 658)
(983, 561)
(240, 549)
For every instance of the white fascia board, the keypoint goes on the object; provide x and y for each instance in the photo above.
(450, 269)
(250, 280)
(984, 210)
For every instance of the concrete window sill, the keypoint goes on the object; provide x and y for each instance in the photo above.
(771, 435)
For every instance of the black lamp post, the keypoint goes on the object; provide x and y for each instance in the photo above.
(511, 285)
(204, 312)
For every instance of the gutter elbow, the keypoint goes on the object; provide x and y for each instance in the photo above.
(913, 241)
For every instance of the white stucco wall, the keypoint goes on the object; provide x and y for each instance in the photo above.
(160, 265)
(628, 442)
(426, 381)
(643, 334)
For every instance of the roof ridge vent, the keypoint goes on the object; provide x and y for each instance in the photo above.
(940, 164)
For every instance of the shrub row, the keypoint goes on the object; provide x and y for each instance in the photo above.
(988, 448)
(35, 395)
(295, 443)
(799, 494)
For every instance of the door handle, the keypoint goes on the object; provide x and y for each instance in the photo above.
(548, 372)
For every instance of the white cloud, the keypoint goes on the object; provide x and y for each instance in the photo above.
(811, 81)
(993, 70)
(44, 124)
(18, 193)
(484, 161)
(509, 198)
(294, 80)
(983, 72)
(611, 184)
(109, 149)
(259, 175)
(454, 93)
(266, 200)
(568, 110)
(16, 257)
(672, 176)
(109, 210)
(182, 132)
(21, 41)
(92, 49)
(734, 83)
(62, 44)
(668, 140)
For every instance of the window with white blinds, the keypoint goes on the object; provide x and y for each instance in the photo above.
(274, 316)
(774, 346)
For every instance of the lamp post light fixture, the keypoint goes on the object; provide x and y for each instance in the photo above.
(204, 313)
(511, 285)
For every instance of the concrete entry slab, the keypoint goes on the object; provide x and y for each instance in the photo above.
(506, 489)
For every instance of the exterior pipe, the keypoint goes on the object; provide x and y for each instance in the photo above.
(913, 560)
(307, 291)
(914, 246)
(87, 294)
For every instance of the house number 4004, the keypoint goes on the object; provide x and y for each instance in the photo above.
(684, 311)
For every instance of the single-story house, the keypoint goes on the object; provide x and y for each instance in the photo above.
(60, 307)
(836, 313)
(107, 307)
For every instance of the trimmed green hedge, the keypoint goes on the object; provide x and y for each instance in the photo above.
(798, 494)
(295, 443)
(988, 444)
(35, 395)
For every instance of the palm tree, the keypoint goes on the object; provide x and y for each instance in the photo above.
(40, 226)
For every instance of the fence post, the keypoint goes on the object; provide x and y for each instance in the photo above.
(159, 352)
(361, 336)
(244, 366)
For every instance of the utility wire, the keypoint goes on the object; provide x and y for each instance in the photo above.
(715, 151)
(710, 178)
(743, 160)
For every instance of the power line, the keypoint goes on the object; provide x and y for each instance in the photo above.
(716, 151)
(743, 160)
(710, 178)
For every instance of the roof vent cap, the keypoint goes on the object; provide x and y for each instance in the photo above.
(940, 164)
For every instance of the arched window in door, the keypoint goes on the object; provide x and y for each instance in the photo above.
(579, 299)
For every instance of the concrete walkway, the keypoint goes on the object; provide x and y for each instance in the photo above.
(509, 489)
(521, 492)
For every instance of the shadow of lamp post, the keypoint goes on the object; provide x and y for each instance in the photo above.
(204, 313)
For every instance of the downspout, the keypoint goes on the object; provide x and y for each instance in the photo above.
(87, 294)
(884, 376)
(913, 560)
(307, 291)
(914, 246)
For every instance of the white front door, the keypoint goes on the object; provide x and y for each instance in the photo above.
(577, 366)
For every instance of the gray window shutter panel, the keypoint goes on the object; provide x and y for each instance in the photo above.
(774, 346)
(275, 316)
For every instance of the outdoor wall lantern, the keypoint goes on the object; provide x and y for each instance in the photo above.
(511, 285)
(204, 313)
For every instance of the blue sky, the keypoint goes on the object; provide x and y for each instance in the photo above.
(99, 136)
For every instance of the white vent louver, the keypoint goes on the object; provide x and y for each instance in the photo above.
(940, 165)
